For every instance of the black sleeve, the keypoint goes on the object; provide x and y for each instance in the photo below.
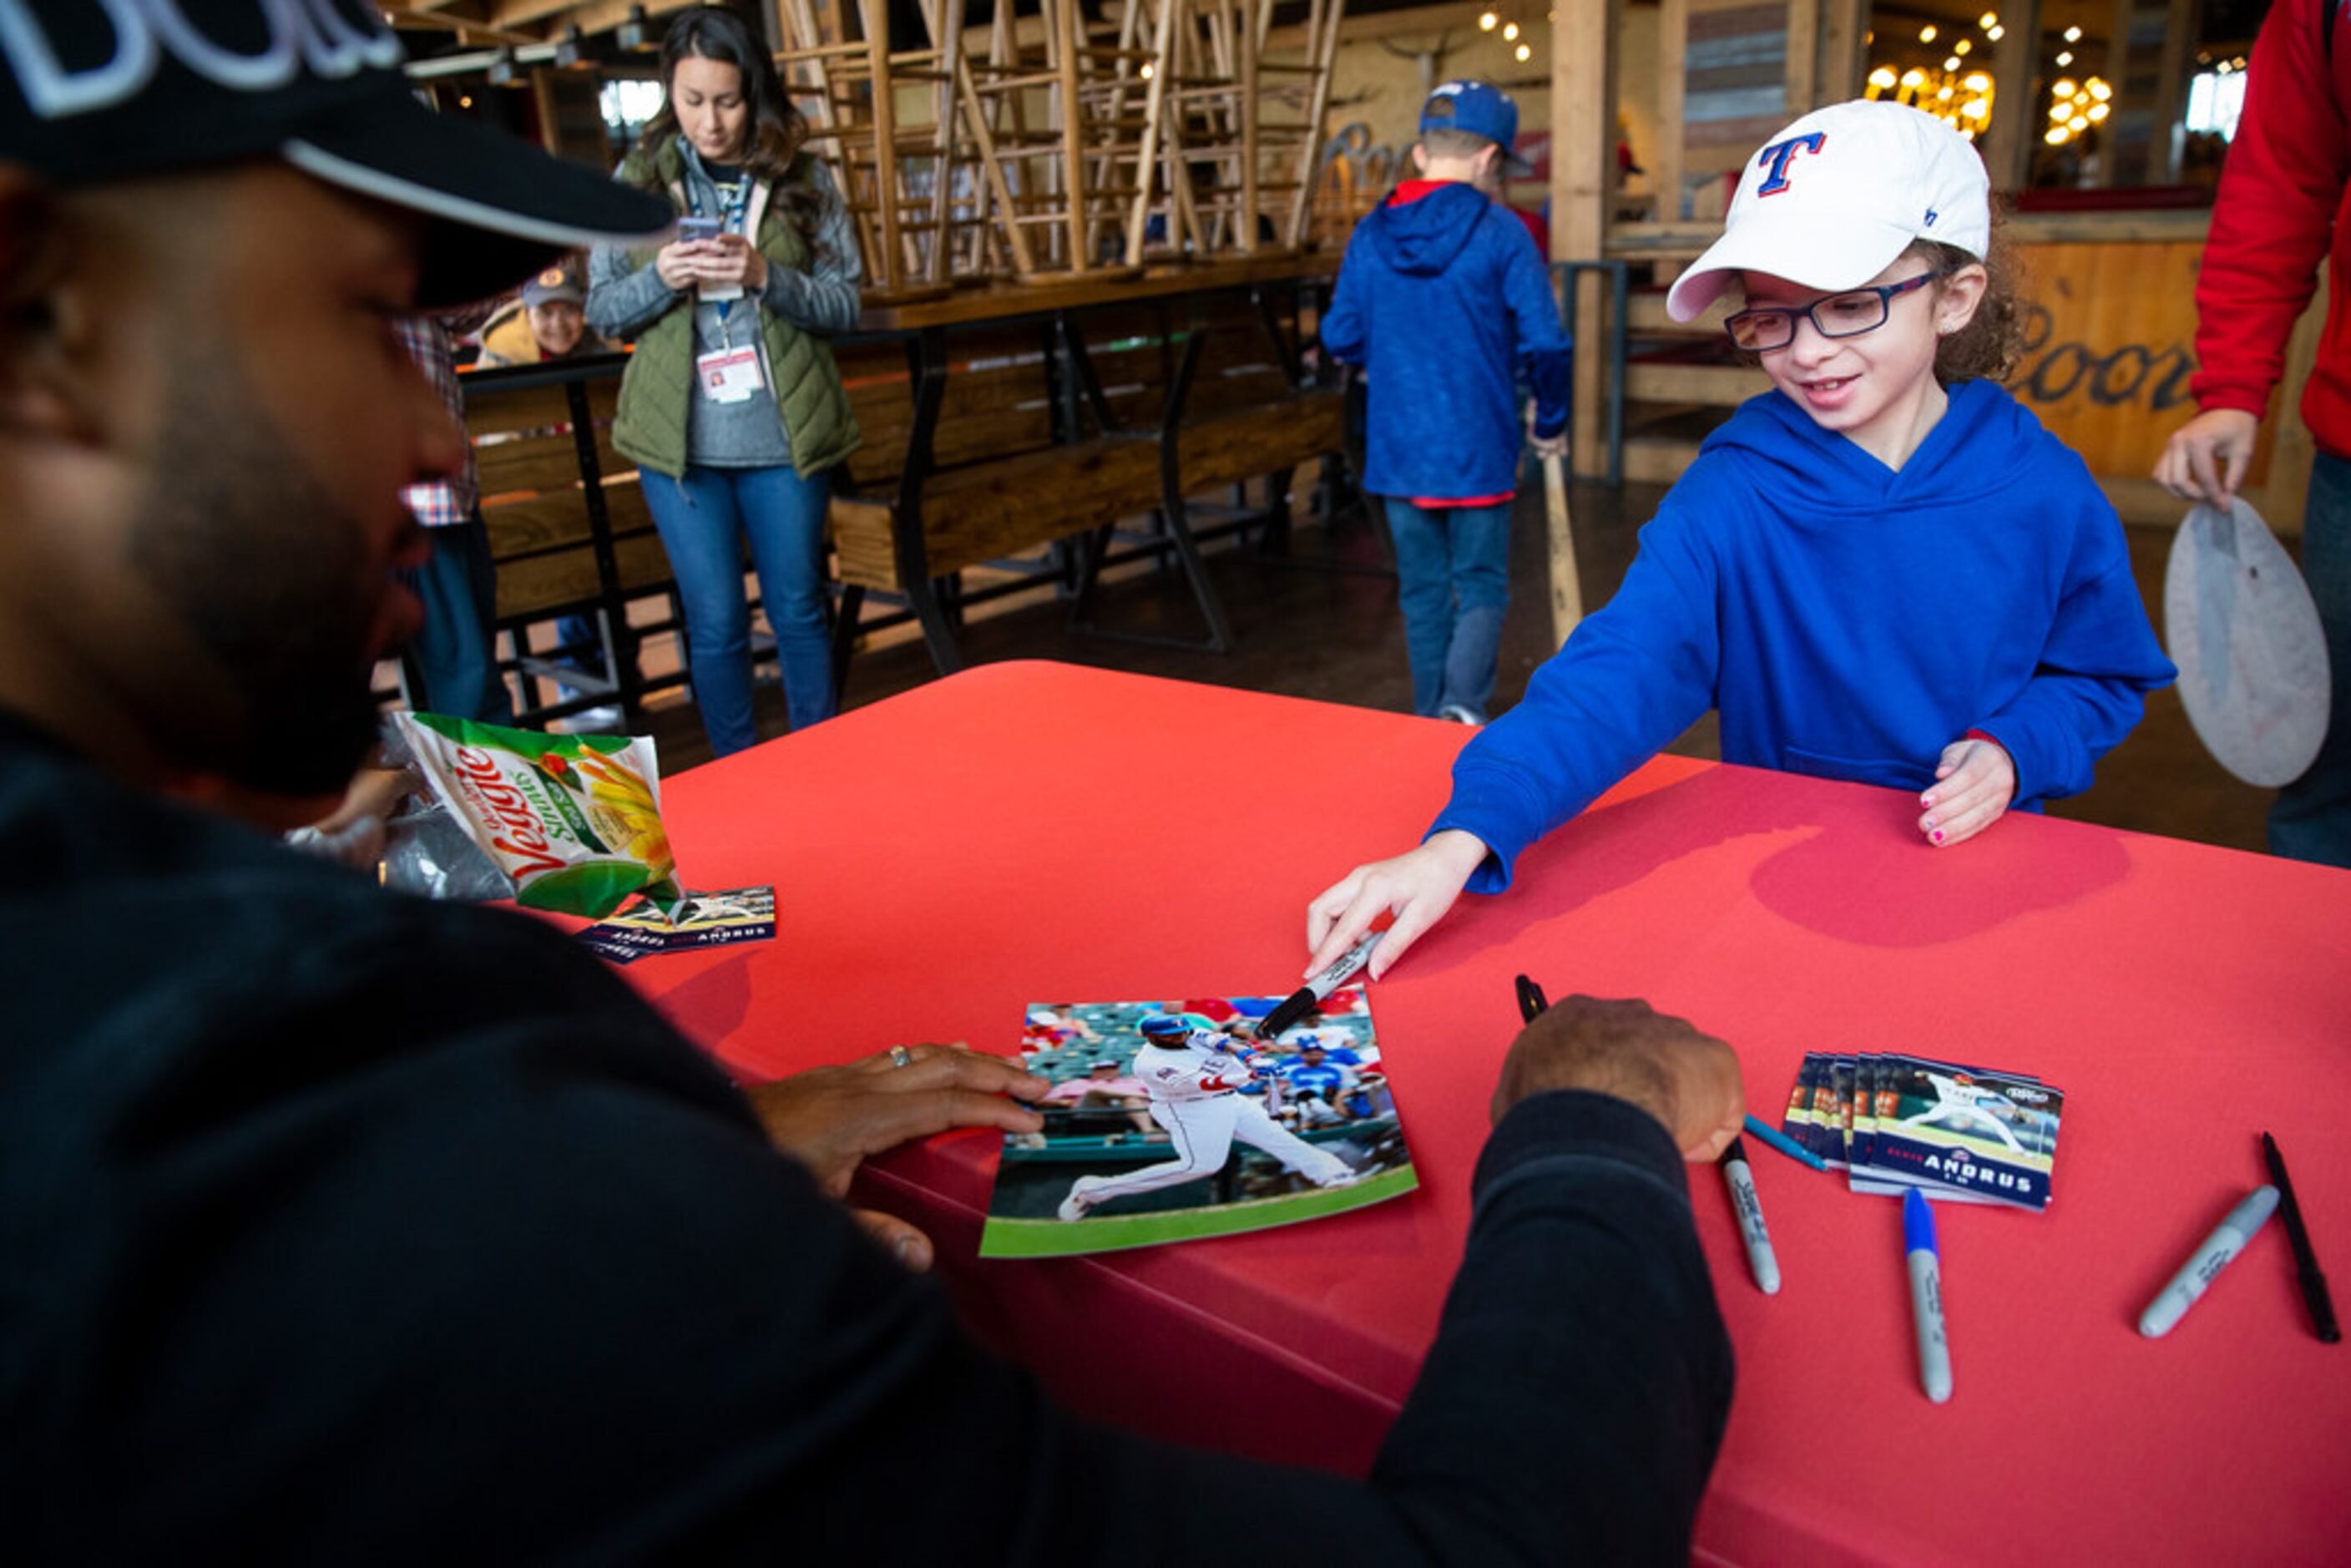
(518, 1280)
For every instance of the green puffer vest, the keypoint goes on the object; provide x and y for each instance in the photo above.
(658, 387)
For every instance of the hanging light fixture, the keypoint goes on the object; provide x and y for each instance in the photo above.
(634, 33)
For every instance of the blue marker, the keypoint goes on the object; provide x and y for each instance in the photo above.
(1764, 1132)
(1926, 1294)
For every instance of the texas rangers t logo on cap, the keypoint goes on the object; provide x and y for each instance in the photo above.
(1780, 153)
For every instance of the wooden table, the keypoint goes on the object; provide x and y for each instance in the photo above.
(1001, 419)
(1030, 832)
(1006, 302)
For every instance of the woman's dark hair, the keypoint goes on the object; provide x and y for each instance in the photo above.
(777, 127)
(1990, 345)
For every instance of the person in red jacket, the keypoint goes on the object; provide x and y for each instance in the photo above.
(2281, 209)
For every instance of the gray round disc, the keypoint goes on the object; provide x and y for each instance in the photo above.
(2245, 634)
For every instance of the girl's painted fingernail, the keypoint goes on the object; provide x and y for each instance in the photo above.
(1939, 835)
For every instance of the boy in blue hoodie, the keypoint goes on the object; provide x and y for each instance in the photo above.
(1883, 569)
(1443, 299)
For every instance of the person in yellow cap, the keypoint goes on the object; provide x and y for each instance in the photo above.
(547, 322)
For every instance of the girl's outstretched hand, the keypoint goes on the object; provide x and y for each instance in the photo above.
(1973, 785)
(1417, 886)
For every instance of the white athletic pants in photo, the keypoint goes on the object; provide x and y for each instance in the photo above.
(1204, 1130)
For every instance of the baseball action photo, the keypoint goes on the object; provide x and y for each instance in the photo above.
(1169, 1120)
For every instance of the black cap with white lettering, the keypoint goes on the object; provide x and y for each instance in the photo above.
(107, 89)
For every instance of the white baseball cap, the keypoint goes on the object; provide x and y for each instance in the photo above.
(1832, 200)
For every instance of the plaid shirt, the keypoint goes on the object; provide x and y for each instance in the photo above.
(439, 506)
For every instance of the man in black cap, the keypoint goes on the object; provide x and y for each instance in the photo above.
(341, 1228)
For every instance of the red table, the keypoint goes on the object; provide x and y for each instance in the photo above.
(1033, 832)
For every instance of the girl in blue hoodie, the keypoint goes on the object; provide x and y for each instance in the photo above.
(1883, 569)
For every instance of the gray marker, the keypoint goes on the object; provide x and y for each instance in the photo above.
(2228, 1240)
(1739, 1178)
(1926, 1294)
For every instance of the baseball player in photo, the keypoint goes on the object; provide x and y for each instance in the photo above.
(1195, 1079)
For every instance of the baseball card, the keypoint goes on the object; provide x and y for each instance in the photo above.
(699, 920)
(1802, 1121)
(1836, 1111)
(1965, 1132)
(1174, 1119)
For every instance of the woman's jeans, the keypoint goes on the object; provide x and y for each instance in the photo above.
(704, 519)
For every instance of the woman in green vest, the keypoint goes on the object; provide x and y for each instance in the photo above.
(732, 406)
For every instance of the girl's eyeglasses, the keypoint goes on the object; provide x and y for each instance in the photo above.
(1847, 315)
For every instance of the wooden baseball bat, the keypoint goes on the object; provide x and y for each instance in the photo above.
(1566, 587)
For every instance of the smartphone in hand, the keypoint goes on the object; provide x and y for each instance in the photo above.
(691, 228)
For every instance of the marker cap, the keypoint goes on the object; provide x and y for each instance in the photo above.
(1918, 1222)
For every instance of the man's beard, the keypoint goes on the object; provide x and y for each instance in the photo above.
(270, 576)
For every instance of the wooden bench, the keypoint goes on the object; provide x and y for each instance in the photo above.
(997, 439)
(568, 529)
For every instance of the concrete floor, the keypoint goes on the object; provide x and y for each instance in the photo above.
(1337, 637)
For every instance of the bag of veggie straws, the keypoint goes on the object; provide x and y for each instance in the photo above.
(573, 821)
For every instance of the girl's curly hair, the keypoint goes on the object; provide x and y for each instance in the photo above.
(1989, 347)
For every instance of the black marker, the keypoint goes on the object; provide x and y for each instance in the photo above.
(1311, 995)
(2305, 1261)
(1533, 1003)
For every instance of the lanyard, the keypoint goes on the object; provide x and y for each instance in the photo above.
(733, 203)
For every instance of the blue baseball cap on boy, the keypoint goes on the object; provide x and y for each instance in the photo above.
(1480, 109)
